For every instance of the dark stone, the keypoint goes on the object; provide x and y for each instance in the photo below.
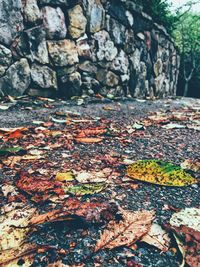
(70, 85)
(118, 11)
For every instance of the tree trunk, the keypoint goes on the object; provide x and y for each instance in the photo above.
(185, 93)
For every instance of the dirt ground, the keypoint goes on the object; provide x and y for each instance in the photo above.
(122, 144)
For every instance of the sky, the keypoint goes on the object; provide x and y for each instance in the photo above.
(178, 3)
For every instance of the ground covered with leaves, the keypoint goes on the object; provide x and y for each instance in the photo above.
(99, 182)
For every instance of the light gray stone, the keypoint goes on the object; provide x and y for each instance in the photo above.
(63, 52)
(95, 15)
(77, 22)
(17, 78)
(31, 11)
(54, 22)
(5, 59)
(106, 48)
(120, 63)
(11, 20)
(43, 76)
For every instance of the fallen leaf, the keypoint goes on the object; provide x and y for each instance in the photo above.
(89, 211)
(173, 126)
(138, 126)
(189, 217)
(160, 172)
(88, 140)
(191, 165)
(181, 249)
(64, 177)
(58, 121)
(157, 237)
(188, 241)
(11, 151)
(25, 253)
(91, 177)
(2, 107)
(38, 187)
(13, 227)
(86, 189)
(131, 228)
(90, 132)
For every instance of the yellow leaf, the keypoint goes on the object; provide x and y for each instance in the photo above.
(64, 177)
(160, 172)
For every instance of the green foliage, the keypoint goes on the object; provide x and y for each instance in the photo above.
(160, 12)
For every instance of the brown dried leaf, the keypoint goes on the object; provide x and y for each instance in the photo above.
(127, 231)
(38, 187)
(190, 244)
(91, 132)
(88, 140)
(73, 208)
(157, 237)
(10, 257)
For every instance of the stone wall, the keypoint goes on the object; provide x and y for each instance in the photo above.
(87, 47)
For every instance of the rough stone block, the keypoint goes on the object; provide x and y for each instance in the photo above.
(17, 78)
(11, 20)
(54, 22)
(43, 76)
(63, 52)
(77, 22)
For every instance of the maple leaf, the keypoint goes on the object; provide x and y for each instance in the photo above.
(127, 231)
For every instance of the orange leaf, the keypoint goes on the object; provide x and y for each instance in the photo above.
(16, 134)
(91, 132)
(88, 140)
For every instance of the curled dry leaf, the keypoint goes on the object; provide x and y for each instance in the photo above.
(91, 132)
(73, 208)
(188, 241)
(25, 253)
(91, 177)
(157, 237)
(191, 165)
(131, 228)
(160, 172)
(173, 126)
(189, 217)
(13, 227)
(88, 140)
